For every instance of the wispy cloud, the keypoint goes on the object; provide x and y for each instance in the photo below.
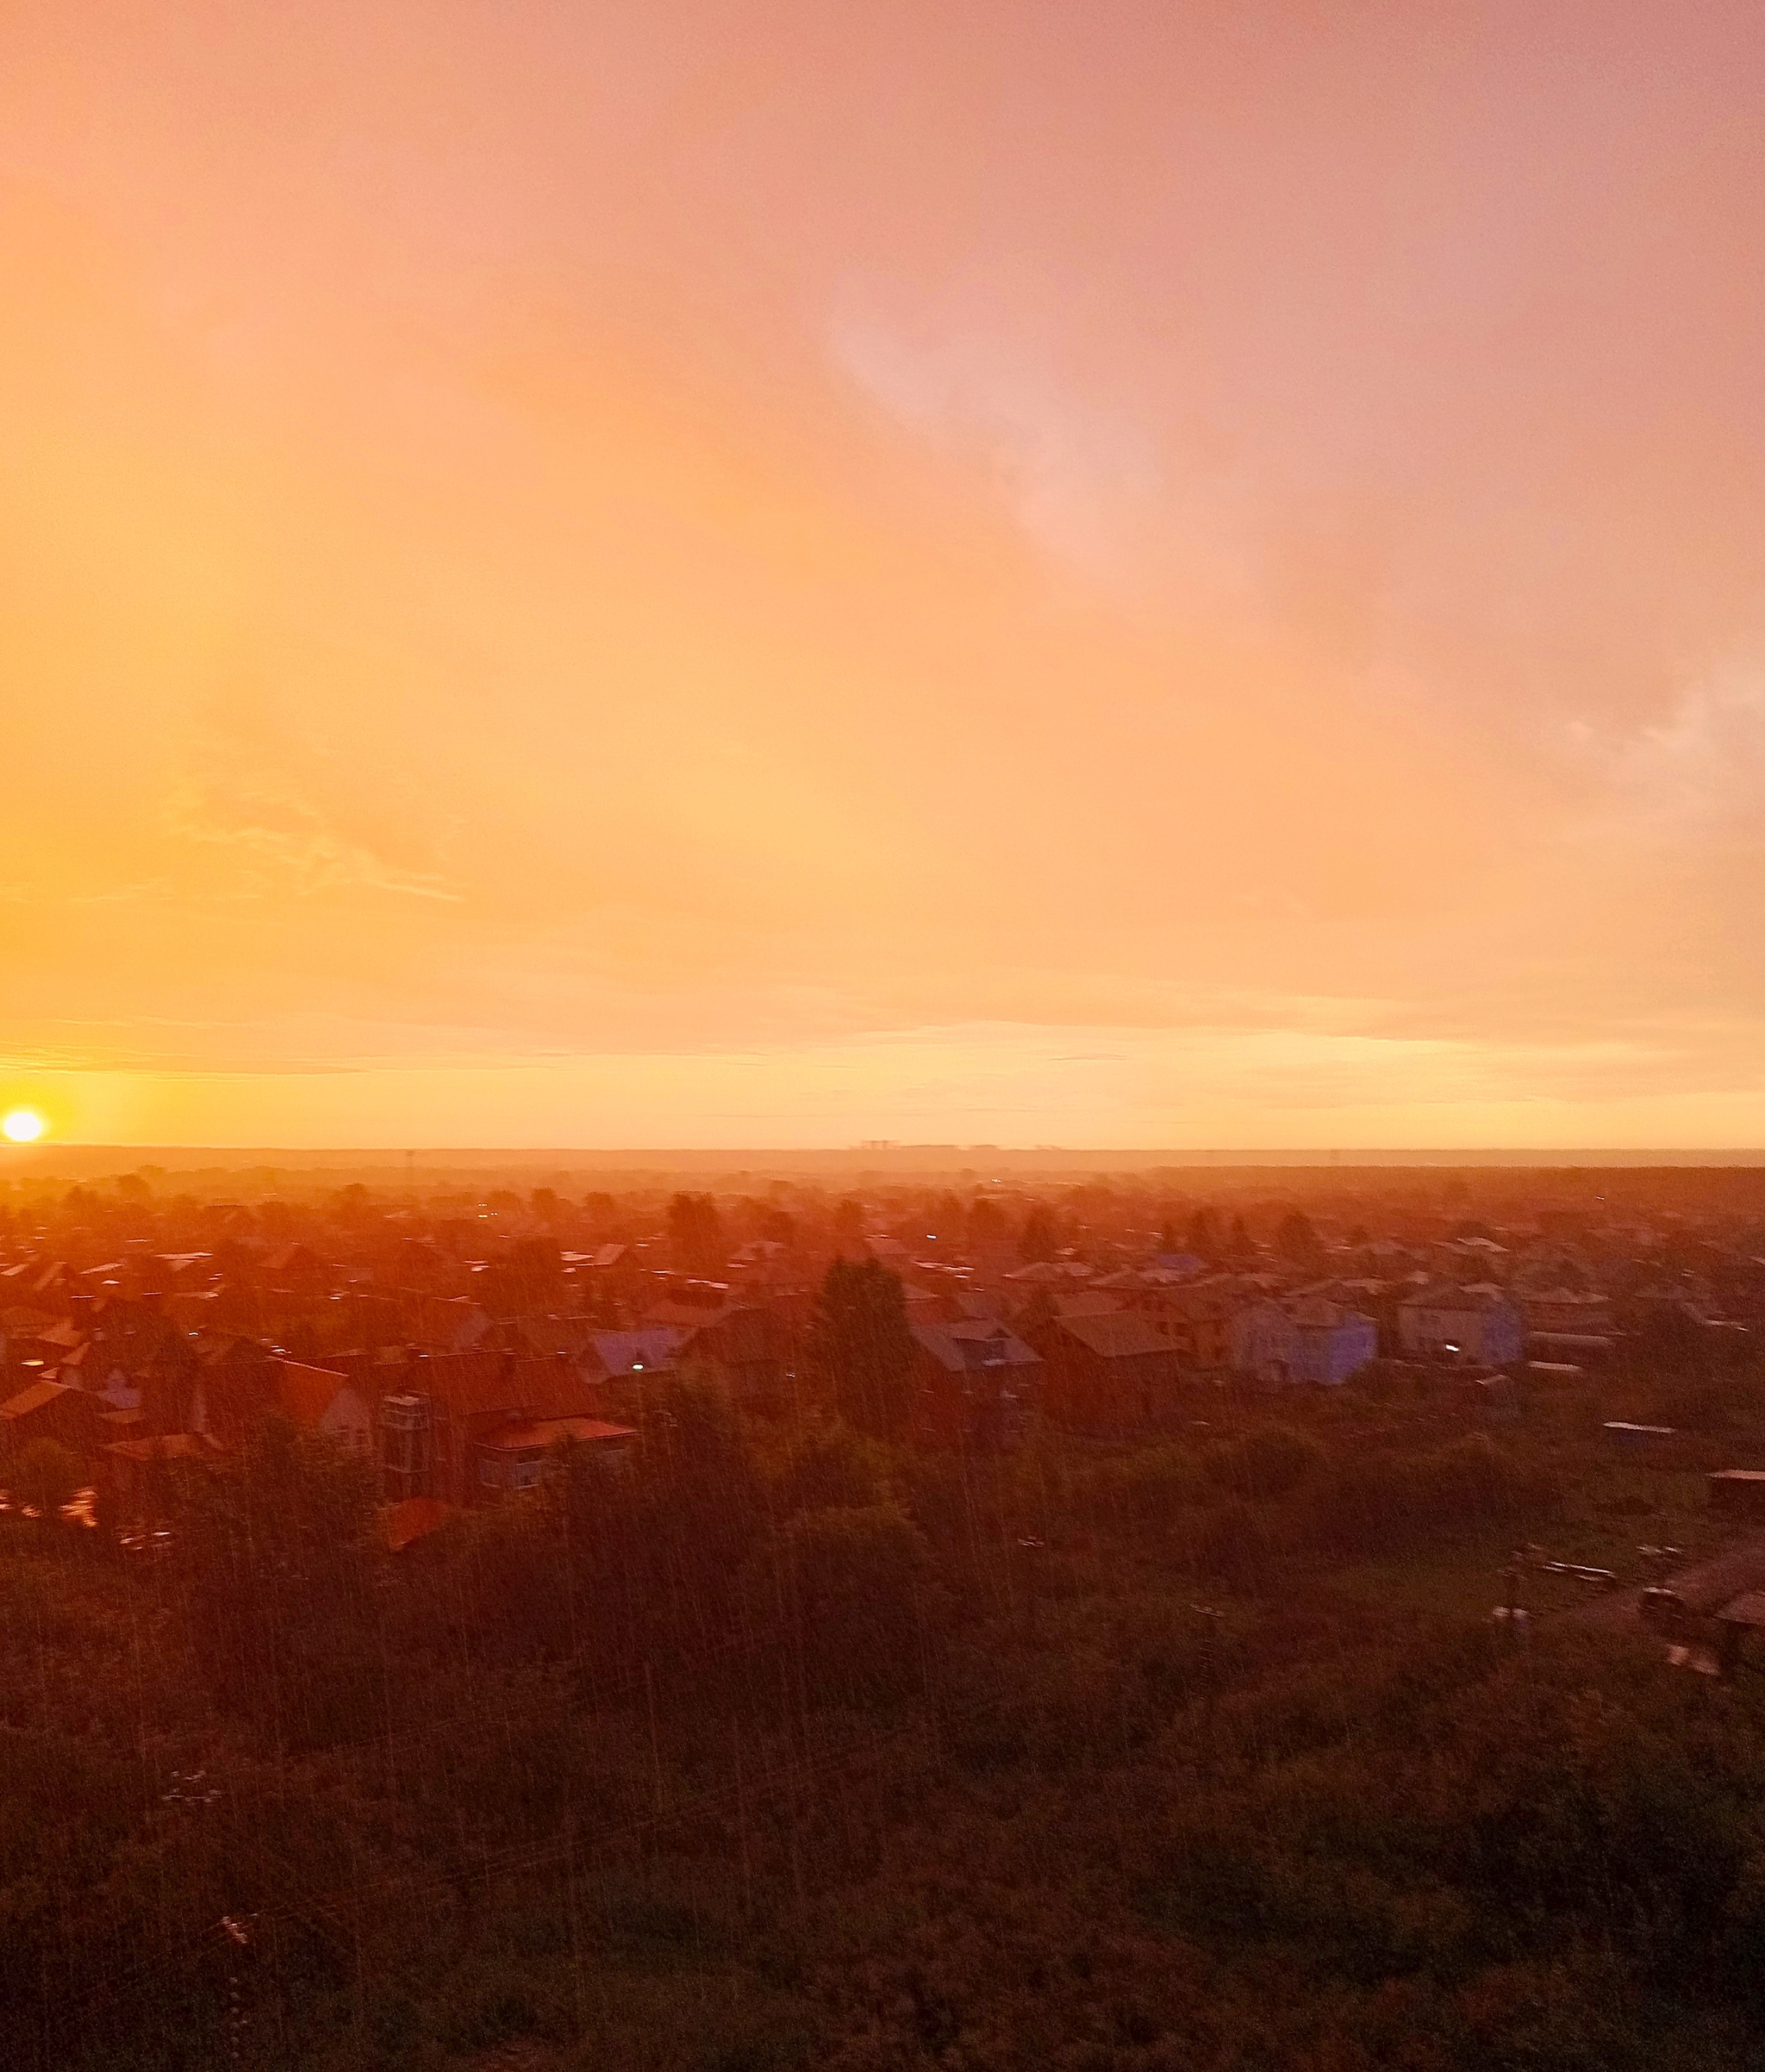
(1084, 479)
(265, 799)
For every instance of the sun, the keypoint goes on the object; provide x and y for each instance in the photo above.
(23, 1125)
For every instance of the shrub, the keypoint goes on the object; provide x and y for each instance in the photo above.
(1270, 1460)
(1142, 1489)
(46, 1476)
(858, 1580)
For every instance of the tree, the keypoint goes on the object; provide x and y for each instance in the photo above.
(1238, 1241)
(525, 1280)
(1204, 1234)
(986, 1224)
(1039, 1238)
(858, 1578)
(849, 1228)
(1296, 1240)
(860, 1347)
(694, 1234)
(279, 1558)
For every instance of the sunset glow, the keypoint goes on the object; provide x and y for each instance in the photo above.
(980, 573)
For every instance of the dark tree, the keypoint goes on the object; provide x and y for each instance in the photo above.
(1039, 1238)
(849, 1228)
(280, 1556)
(1296, 1240)
(1239, 1241)
(860, 1347)
(694, 1234)
(1204, 1234)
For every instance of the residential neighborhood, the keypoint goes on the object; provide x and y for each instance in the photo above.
(456, 1341)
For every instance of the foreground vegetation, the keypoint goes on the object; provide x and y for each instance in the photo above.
(787, 1748)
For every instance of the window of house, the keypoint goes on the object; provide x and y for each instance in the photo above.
(490, 1472)
(526, 1473)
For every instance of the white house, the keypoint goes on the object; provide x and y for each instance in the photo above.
(1265, 1342)
(1330, 1342)
(1481, 1322)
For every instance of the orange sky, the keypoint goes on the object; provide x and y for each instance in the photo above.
(766, 573)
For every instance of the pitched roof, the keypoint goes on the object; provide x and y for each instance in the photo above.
(974, 1344)
(747, 1333)
(307, 1393)
(638, 1351)
(1123, 1334)
(172, 1445)
(541, 1433)
(1483, 1295)
(1315, 1313)
(34, 1398)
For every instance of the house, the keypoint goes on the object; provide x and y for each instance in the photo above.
(1263, 1341)
(445, 1323)
(454, 1425)
(317, 1399)
(974, 1384)
(512, 1458)
(1194, 1319)
(1573, 1311)
(51, 1410)
(1107, 1374)
(745, 1348)
(1330, 1342)
(133, 1473)
(1481, 1322)
(234, 1390)
(618, 1355)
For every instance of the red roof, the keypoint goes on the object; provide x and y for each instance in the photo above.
(535, 1438)
(175, 1445)
(307, 1393)
(34, 1398)
(410, 1520)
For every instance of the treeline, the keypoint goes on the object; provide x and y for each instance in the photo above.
(784, 1745)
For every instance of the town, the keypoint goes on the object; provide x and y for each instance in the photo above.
(457, 1339)
(523, 1617)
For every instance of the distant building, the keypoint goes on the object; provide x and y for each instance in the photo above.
(1111, 1374)
(1577, 1311)
(457, 1427)
(1481, 1322)
(1265, 1342)
(975, 1384)
(317, 1399)
(1193, 1318)
(1330, 1343)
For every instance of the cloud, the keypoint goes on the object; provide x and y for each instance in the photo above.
(250, 795)
(1083, 479)
(1698, 773)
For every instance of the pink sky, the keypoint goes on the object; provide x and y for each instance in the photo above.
(779, 574)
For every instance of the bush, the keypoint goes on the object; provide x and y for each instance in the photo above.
(1373, 1504)
(1146, 1488)
(1270, 1460)
(833, 1467)
(46, 1476)
(858, 1580)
